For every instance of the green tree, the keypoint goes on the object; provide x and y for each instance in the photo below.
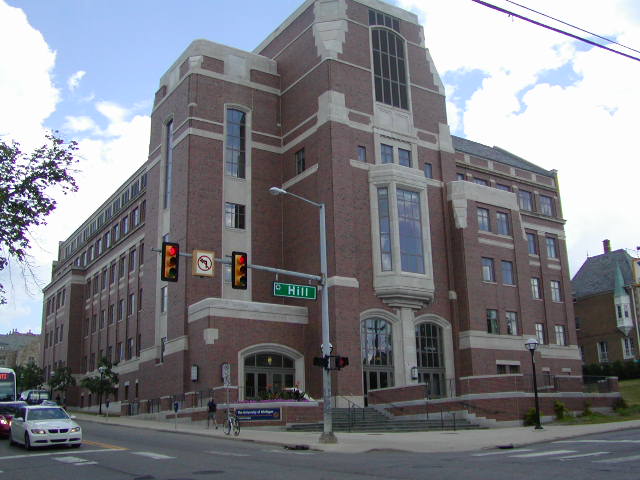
(102, 384)
(26, 183)
(61, 380)
(28, 376)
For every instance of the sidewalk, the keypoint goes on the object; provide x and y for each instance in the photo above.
(426, 442)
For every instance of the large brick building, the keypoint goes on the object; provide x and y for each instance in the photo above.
(443, 254)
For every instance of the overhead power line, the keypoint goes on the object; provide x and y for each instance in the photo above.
(572, 26)
(557, 30)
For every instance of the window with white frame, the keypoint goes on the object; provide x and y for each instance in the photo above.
(603, 352)
(628, 348)
(525, 200)
(502, 220)
(532, 243)
(507, 272)
(488, 271)
(535, 288)
(386, 153)
(552, 247)
(561, 335)
(404, 157)
(234, 215)
(484, 224)
(556, 292)
(546, 206)
(512, 323)
(493, 326)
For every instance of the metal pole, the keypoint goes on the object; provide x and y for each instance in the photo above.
(535, 391)
(327, 431)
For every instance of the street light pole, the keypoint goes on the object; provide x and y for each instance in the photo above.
(531, 345)
(327, 431)
(101, 369)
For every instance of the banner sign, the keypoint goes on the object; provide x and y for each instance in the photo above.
(258, 413)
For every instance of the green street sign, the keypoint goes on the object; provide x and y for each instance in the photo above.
(291, 290)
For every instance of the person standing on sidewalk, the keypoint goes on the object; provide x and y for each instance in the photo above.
(211, 414)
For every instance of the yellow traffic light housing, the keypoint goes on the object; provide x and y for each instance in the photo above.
(239, 270)
(170, 263)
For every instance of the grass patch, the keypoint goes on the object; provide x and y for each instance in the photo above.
(630, 390)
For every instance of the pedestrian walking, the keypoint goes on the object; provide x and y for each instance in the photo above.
(211, 415)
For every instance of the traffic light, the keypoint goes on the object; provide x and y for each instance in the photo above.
(321, 362)
(341, 362)
(170, 253)
(239, 270)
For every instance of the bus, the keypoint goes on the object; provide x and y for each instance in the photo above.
(7, 385)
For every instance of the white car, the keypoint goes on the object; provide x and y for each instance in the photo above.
(42, 426)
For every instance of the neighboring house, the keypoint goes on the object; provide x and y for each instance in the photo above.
(445, 255)
(14, 343)
(606, 294)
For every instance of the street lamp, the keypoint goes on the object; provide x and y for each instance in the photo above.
(101, 369)
(327, 430)
(531, 345)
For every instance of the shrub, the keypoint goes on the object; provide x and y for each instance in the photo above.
(620, 404)
(560, 410)
(530, 417)
(587, 409)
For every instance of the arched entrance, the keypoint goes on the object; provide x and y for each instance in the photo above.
(430, 358)
(267, 374)
(377, 354)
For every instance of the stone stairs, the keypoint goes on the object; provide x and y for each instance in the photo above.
(369, 419)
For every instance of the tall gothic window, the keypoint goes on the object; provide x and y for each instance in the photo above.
(235, 147)
(410, 229)
(168, 165)
(389, 68)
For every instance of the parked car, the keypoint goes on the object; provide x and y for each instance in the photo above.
(42, 426)
(35, 397)
(7, 412)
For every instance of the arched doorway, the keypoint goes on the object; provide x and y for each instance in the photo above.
(430, 358)
(377, 354)
(267, 374)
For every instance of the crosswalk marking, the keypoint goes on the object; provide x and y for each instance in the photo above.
(597, 441)
(619, 459)
(502, 452)
(543, 454)
(593, 454)
(155, 456)
(228, 454)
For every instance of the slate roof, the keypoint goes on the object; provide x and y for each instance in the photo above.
(597, 274)
(497, 154)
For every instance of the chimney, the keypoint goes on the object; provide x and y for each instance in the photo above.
(607, 246)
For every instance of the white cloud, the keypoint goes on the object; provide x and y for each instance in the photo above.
(74, 80)
(79, 124)
(585, 129)
(27, 92)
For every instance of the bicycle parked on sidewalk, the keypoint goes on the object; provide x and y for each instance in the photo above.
(231, 423)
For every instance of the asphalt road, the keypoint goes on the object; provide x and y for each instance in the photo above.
(116, 452)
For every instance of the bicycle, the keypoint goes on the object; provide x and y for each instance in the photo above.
(232, 423)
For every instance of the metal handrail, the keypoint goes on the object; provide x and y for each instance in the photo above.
(352, 406)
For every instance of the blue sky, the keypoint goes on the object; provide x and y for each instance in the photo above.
(90, 69)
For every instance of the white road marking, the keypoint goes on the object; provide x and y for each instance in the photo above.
(502, 452)
(50, 454)
(75, 461)
(543, 454)
(619, 459)
(228, 454)
(597, 441)
(155, 456)
(594, 454)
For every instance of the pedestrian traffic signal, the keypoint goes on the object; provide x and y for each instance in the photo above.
(239, 270)
(341, 362)
(169, 267)
(321, 362)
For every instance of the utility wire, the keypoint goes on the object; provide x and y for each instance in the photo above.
(572, 26)
(557, 30)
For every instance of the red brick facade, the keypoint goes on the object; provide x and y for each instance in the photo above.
(311, 86)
